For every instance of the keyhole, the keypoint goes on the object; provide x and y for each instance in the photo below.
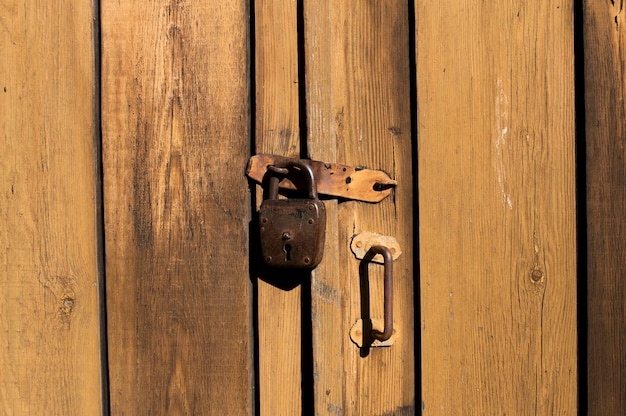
(287, 250)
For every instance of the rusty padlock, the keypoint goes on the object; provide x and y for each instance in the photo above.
(292, 230)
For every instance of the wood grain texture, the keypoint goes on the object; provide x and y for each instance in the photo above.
(49, 311)
(605, 87)
(358, 110)
(497, 207)
(277, 132)
(177, 206)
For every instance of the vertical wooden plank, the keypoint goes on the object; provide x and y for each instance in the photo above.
(497, 207)
(278, 132)
(175, 144)
(605, 86)
(49, 320)
(358, 109)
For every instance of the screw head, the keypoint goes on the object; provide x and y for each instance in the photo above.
(286, 236)
(268, 259)
(311, 220)
(264, 220)
(306, 260)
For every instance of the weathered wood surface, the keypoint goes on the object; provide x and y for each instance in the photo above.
(358, 113)
(49, 311)
(277, 131)
(497, 207)
(605, 87)
(175, 111)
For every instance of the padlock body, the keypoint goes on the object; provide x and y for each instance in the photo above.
(292, 232)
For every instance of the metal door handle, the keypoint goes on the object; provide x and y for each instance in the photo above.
(388, 291)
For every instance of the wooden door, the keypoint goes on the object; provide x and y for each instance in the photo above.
(125, 132)
(328, 88)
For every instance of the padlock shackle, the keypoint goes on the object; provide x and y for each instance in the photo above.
(280, 168)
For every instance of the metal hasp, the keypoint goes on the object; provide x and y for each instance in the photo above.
(341, 181)
(388, 295)
(292, 230)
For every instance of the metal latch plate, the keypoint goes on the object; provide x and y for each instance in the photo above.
(332, 179)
